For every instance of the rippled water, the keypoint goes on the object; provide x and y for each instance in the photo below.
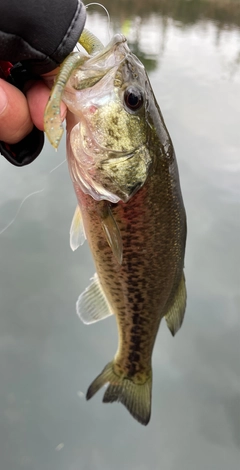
(48, 358)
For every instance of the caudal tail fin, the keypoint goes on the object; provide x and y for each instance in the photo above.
(135, 397)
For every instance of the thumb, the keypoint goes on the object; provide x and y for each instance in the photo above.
(15, 120)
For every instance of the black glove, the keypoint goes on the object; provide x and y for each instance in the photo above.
(36, 36)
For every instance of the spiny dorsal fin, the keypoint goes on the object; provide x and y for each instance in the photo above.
(135, 397)
(92, 304)
(175, 314)
(112, 232)
(77, 233)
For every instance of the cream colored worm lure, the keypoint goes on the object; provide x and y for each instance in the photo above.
(52, 116)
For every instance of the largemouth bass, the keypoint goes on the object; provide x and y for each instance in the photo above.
(130, 208)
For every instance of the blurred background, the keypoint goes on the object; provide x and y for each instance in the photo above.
(48, 358)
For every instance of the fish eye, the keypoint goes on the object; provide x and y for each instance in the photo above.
(133, 98)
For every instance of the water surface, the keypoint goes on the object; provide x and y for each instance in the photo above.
(48, 358)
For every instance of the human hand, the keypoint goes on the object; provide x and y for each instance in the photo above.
(35, 45)
(18, 113)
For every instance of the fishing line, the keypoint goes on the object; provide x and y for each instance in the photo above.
(28, 196)
(108, 16)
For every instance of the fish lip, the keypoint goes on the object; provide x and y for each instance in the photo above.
(90, 153)
(113, 51)
(115, 42)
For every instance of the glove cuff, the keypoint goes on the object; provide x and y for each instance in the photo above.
(26, 151)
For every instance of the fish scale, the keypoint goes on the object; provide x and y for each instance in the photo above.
(139, 288)
(124, 172)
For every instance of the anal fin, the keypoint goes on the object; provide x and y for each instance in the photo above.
(92, 304)
(174, 316)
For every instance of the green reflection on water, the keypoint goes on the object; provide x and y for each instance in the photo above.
(138, 19)
(224, 12)
(48, 357)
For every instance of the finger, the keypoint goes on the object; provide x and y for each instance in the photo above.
(15, 119)
(38, 96)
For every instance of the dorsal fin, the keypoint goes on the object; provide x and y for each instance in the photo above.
(175, 314)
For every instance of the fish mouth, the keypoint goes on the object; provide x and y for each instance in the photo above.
(100, 163)
(99, 65)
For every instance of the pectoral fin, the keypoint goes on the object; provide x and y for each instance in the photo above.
(92, 304)
(175, 315)
(112, 232)
(77, 233)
